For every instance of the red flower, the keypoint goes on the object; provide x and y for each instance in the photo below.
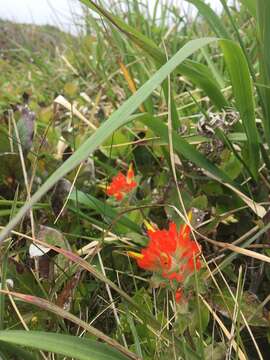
(171, 253)
(121, 184)
(178, 295)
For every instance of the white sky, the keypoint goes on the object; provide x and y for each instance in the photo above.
(62, 13)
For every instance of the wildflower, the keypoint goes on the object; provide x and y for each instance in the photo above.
(178, 295)
(170, 253)
(121, 184)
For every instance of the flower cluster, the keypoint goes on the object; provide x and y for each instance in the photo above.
(121, 184)
(170, 253)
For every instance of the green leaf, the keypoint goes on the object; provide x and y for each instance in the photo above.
(199, 314)
(211, 17)
(200, 75)
(232, 166)
(15, 352)
(200, 202)
(71, 346)
(263, 14)
(119, 137)
(116, 120)
(185, 149)
(250, 5)
(4, 267)
(4, 140)
(102, 208)
(243, 93)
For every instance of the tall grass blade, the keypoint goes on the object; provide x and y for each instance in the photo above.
(245, 103)
(71, 346)
(212, 18)
(9, 351)
(200, 75)
(251, 6)
(263, 16)
(106, 210)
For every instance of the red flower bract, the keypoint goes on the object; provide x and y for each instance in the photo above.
(178, 295)
(171, 253)
(121, 184)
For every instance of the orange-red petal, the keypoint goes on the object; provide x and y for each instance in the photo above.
(121, 184)
(171, 253)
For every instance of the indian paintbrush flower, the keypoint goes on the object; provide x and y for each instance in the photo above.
(170, 253)
(121, 184)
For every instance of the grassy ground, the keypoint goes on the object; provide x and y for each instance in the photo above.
(185, 101)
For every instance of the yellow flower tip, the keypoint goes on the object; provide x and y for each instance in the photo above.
(135, 255)
(130, 173)
(130, 168)
(149, 226)
(189, 215)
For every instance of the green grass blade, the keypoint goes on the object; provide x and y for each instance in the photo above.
(200, 75)
(14, 352)
(211, 17)
(182, 147)
(250, 5)
(134, 333)
(239, 38)
(71, 346)
(263, 13)
(243, 93)
(218, 75)
(141, 40)
(106, 210)
(3, 286)
(117, 119)
(202, 78)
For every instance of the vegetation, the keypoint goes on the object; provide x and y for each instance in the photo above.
(134, 184)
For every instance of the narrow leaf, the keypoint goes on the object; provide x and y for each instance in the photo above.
(243, 92)
(263, 16)
(71, 346)
(250, 5)
(211, 17)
